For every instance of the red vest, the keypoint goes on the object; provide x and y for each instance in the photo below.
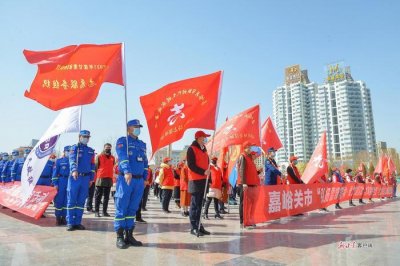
(150, 176)
(106, 166)
(168, 180)
(201, 161)
(184, 178)
(216, 177)
(251, 172)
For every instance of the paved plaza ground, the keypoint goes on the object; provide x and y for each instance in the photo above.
(363, 235)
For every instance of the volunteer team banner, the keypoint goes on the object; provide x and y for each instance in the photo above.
(265, 203)
(10, 197)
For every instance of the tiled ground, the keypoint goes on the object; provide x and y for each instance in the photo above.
(309, 240)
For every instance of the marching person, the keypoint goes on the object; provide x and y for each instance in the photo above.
(185, 195)
(349, 179)
(198, 164)
(271, 168)
(104, 179)
(166, 177)
(247, 176)
(81, 163)
(337, 178)
(47, 173)
(132, 168)
(360, 179)
(16, 169)
(60, 182)
(214, 193)
(6, 172)
(293, 174)
(177, 186)
(225, 189)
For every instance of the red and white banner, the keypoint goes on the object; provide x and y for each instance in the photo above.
(265, 203)
(11, 197)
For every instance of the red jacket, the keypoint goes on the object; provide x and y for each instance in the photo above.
(216, 177)
(184, 178)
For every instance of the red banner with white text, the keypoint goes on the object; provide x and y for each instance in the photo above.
(265, 203)
(10, 197)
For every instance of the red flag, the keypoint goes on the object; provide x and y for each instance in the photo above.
(362, 169)
(244, 126)
(269, 137)
(318, 164)
(178, 106)
(391, 166)
(380, 167)
(73, 75)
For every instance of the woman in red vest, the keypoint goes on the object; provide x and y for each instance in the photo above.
(104, 179)
(166, 177)
(177, 185)
(185, 195)
(214, 192)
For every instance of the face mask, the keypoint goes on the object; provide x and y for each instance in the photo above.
(53, 160)
(66, 153)
(107, 151)
(5, 158)
(295, 162)
(136, 131)
(84, 141)
(205, 140)
(272, 155)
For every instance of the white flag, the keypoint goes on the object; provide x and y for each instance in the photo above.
(67, 121)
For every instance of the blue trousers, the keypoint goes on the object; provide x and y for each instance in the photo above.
(77, 192)
(127, 201)
(60, 201)
(44, 181)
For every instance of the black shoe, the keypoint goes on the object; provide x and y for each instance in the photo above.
(166, 211)
(144, 209)
(121, 244)
(105, 214)
(196, 233)
(79, 227)
(338, 207)
(63, 221)
(352, 204)
(205, 216)
(299, 214)
(204, 231)
(130, 240)
(97, 214)
(141, 221)
(361, 202)
(223, 212)
(58, 221)
(71, 228)
(89, 209)
(218, 216)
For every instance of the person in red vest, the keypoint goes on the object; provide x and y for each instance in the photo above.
(293, 174)
(156, 185)
(198, 164)
(214, 192)
(166, 177)
(337, 178)
(225, 189)
(185, 195)
(360, 179)
(247, 174)
(104, 179)
(177, 185)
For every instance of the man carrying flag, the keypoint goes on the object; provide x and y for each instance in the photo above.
(132, 168)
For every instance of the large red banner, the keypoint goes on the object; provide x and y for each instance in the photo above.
(10, 197)
(265, 203)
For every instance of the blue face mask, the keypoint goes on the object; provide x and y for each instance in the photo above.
(256, 150)
(5, 158)
(136, 131)
(84, 141)
(205, 140)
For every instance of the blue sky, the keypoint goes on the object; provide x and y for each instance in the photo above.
(252, 41)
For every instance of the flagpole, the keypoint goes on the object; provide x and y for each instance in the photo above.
(77, 146)
(126, 97)
(211, 154)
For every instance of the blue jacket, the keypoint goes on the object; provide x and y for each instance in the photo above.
(136, 163)
(48, 169)
(271, 173)
(61, 169)
(86, 164)
(16, 168)
(6, 172)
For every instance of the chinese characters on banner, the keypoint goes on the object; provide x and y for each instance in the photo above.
(10, 197)
(265, 203)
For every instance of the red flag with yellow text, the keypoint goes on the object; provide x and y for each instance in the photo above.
(318, 164)
(178, 106)
(244, 126)
(73, 75)
(269, 137)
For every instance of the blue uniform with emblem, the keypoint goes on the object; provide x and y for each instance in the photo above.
(81, 159)
(16, 169)
(60, 177)
(45, 177)
(6, 171)
(131, 159)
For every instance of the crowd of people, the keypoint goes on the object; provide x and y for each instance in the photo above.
(80, 176)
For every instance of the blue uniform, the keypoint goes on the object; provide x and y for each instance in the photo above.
(271, 173)
(2, 162)
(45, 177)
(6, 171)
(128, 197)
(77, 190)
(16, 169)
(60, 180)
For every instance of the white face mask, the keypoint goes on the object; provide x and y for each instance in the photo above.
(84, 141)
(66, 153)
(136, 131)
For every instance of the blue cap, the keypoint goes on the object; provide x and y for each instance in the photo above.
(85, 133)
(15, 153)
(271, 149)
(134, 122)
(27, 151)
(67, 148)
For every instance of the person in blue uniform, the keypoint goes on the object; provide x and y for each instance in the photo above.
(60, 182)
(45, 177)
(133, 167)
(271, 168)
(6, 172)
(16, 169)
(82, 167)
(4, 159)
